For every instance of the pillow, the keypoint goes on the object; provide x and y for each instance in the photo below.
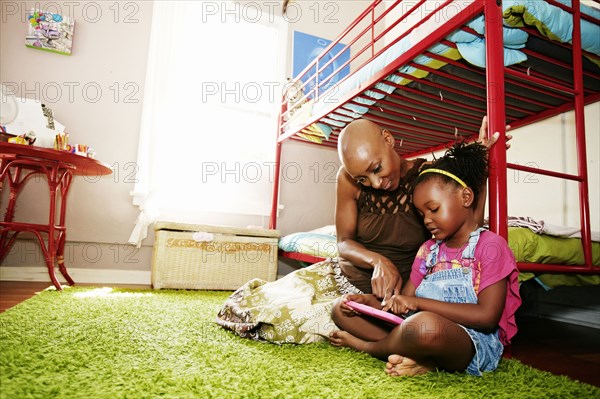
(321, 245)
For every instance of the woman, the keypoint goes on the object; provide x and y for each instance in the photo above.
(378, 235)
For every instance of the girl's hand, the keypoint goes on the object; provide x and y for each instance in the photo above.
(401, 304)
(489, 142)
(386, 280)
(365, 299)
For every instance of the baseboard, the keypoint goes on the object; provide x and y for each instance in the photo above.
(88, 276)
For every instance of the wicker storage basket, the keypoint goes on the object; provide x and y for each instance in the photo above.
(222, 259)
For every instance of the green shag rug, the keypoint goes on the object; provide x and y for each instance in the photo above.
(114, 343)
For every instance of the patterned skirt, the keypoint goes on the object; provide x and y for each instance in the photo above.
(293, 309)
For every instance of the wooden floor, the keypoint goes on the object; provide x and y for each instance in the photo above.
(560, 348)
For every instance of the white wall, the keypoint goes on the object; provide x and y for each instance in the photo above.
(550, 144)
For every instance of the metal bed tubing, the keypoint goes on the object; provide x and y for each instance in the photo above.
(468, 94)
(544, 172)
(410, 126)
(474, 124)
(496, 116)
(483, 87)
(277, 169)
(314, 64)
(482, 72)
(550, 60)
(374, 38)
(513, 95)
(407, 133)
(433, 97)
(541, 82)
(393, 107)
(584, 206)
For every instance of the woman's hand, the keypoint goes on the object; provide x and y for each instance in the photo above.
(489, 142)
(386, 280)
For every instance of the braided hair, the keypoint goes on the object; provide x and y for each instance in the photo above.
(468, 162)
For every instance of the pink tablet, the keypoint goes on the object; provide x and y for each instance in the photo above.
(380, 314)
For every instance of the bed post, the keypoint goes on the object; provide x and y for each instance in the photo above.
(277, 167)
(584, 207)
(275, 200)
(496, 116)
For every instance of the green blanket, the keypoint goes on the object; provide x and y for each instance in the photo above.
(541, 248)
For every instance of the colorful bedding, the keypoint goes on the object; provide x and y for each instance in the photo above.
(553, 24)
(525, 244)
(551, 21)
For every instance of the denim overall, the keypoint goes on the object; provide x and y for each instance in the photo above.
(456, 286)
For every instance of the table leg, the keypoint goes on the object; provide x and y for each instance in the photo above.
(49, 253)
(14, 185)
(64, 182)
(60, 256)
(49, 256)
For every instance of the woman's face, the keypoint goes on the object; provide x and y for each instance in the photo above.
(374, 163)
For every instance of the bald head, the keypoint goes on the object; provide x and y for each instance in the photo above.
(358, 137)
(367, 154)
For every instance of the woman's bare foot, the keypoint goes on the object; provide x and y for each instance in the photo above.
(400, 365)
(344, 338)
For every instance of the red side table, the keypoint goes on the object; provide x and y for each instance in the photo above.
(18, 163)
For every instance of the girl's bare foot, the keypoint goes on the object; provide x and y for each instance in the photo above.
(400, 365)
(344, 338)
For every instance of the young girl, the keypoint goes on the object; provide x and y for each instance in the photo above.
(463, 282)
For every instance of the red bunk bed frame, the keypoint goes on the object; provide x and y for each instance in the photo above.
(408, 145)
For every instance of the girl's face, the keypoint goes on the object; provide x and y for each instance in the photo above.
(445, 209)
(375, 164)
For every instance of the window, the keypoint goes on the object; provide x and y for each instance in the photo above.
(207, 141)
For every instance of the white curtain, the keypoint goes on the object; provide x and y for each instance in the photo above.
(207, 141)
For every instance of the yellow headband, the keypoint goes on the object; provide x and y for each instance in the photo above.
(443, 172)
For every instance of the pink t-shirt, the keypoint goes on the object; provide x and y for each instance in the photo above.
(493, 261)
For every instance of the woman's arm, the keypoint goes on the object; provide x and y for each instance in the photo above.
(386, 279)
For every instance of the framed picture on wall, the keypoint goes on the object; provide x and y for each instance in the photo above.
(306, 49)
(50, 32)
